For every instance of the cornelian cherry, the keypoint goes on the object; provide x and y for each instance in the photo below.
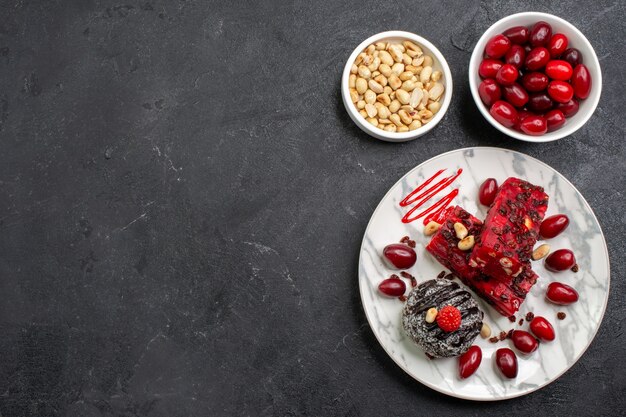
(560, 91)
(561, 294)
(507, 74)
(489, 91)
(400, 255)
(516, 95)
(517, 35)
(488, 68)
(570, 108)
(537, 58)
(504, 113)
(497, 46)
(555, 119)
(470, 361)
(487, 191)
(557, 45)
(540, 34)
(392, 287)
(542, 329)
(581, 81)
(535, 81)
(515, 56)
(524, 341)
(552, 226)
(558, 69)
(560, 260)
(534, 125)
(506, 361)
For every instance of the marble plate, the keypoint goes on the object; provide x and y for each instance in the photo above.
(573, 334)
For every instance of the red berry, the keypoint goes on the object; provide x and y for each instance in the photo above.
(507, 74)
(393, 287)
(569, 109)
(535, 81)
(555, 119)
(534, 125)
(558, 69)
(497, 46)
(504, 113)
(488, 68)
(542, 329)
(518, 34)
(560, 260)
(573, 56)
(561, 294)
(489, 91)
(560, 91)
(449, 318)
(540, 34)
(557, 45)
(506, 361)
(487, 191)
(540, 102)
(516, 95)
(470, 361)
(537, 58)
(521, 115)
(552, 226)
(400, 255)
(581, 81)
(524, 341)
(515, 56)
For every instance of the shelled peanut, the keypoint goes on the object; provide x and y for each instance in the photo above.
(394, 86)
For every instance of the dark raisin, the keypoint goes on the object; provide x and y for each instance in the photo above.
(402, 298)
(441, 274)
(530, 316)
(494, 339)
(512, 319)
(520, 322)
(560, 315)
(575, 268)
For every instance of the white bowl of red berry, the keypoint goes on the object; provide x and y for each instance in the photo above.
(535, 77)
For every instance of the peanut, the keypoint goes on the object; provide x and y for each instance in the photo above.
(432, 226)
(541, 252)
(466, 243)
(431, 315)
(485, 331)
(460, 230)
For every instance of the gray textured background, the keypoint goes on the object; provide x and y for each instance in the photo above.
(183, 196)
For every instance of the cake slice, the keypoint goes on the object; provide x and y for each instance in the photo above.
(505, 296)
(444, 243)
(503, 249)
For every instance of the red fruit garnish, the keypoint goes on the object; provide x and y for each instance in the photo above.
(540, 34)
(507, 74)
(515, 56)
(535, 81)
(555, 119)
(542, 329)
(488, 68)
(393, 287)
(558, 69)
(557, 45)
(504, 113)
(537, 58)
(400, 255)
(487, 191)
(552, 226)
(561, 294)
(524, 341)
(470, 361)
(489, 91)
(560, 91)
(515, 94)
(560, 260)
(497, 46)
(518, 34)
(506, 361)
(540, 102)
(581, 81)
(569, 109)
(449, 319)
(534, 125)
(573, 56)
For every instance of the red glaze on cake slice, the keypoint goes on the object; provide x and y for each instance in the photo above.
(444, 243)
(503, 249)
(505, 297)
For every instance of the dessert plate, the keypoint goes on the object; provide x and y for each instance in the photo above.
(573, 334)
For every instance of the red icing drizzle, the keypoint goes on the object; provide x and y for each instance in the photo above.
(422, 194)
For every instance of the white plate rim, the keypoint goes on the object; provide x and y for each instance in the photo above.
(517, 393)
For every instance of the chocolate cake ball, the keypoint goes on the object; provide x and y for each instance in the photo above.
(436, 342)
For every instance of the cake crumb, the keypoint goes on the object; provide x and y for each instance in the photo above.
(561, 315)
(402, 298)
(521, 321)
(575, 268)
(494, 339)
(512, 319)
(503, 335)
(530, 316)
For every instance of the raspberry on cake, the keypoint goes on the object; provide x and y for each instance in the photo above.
(503, 249)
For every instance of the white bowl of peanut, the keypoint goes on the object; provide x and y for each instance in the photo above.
(396, 86)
